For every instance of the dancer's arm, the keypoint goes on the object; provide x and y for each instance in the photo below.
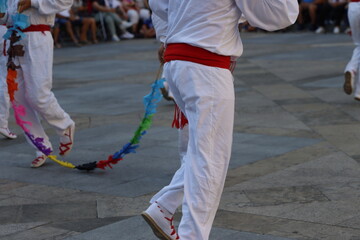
(45, 6)
(269, 15)
(160, 17)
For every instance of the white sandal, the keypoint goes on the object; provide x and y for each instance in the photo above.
(7, 133)
(38, 162)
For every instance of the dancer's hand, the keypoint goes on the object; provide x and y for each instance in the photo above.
(24, 5)
(2, 15)
(161, 53)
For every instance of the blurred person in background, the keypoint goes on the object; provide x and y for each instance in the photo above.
(106, 10)
(308, 8)
(331, 10)
(84, 21)
(64, 19)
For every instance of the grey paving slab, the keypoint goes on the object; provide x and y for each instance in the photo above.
(341, 191)
(8, 229)
(320, 114)
(106, 50)
(343, 136)
(127, 98)
(281, 227)
(332, 95)
(275, 118)
(325, 212)
(84, 225)
(40, 233)
(330, 169)
(351, 108)
(282, 91)
(16, 201)
(352, 222)
(334, 82)
(116, 207)
(251, 236)
(250, 148)
(135, 228)
(47, 212)
(90, 70)
(277, 196)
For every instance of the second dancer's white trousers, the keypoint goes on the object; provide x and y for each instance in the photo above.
(34, 86)
(206, 96)
(354, 63)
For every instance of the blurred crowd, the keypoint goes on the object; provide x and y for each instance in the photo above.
(318, 16)
(91, 21)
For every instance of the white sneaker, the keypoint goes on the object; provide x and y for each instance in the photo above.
(115, 38)
(38, 162)
(126, 24)
(349, 82)
(160, 220)
(127, 35)
(336, 30)
(67, 140)
(7, 133)
(320, 30)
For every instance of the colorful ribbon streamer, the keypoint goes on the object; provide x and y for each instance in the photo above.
(150, 101)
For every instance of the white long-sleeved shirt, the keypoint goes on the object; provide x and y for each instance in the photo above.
(41, 11)
(213, 24)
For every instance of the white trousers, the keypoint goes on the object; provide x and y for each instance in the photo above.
(35, 82)
(206, 96)
(354, 63)
(135, 16)
(4, 96)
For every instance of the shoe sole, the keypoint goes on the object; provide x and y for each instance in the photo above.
(8, 137)
(348, 88)
(156, 229)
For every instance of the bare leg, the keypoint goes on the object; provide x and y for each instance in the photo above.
(56, 32)
(93, 30)
(69, 30)
(84, 29)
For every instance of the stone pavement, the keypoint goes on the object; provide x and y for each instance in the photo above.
(294, 172)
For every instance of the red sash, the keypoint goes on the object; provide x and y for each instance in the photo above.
(37, 28)
(186, 52)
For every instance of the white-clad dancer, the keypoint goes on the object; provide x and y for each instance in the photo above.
(201, 38)
(352, 76)
(4, 96)
(34, 76)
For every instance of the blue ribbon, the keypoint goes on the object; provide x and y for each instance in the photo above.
(3, 6)
(150, 101)
(21, 22)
